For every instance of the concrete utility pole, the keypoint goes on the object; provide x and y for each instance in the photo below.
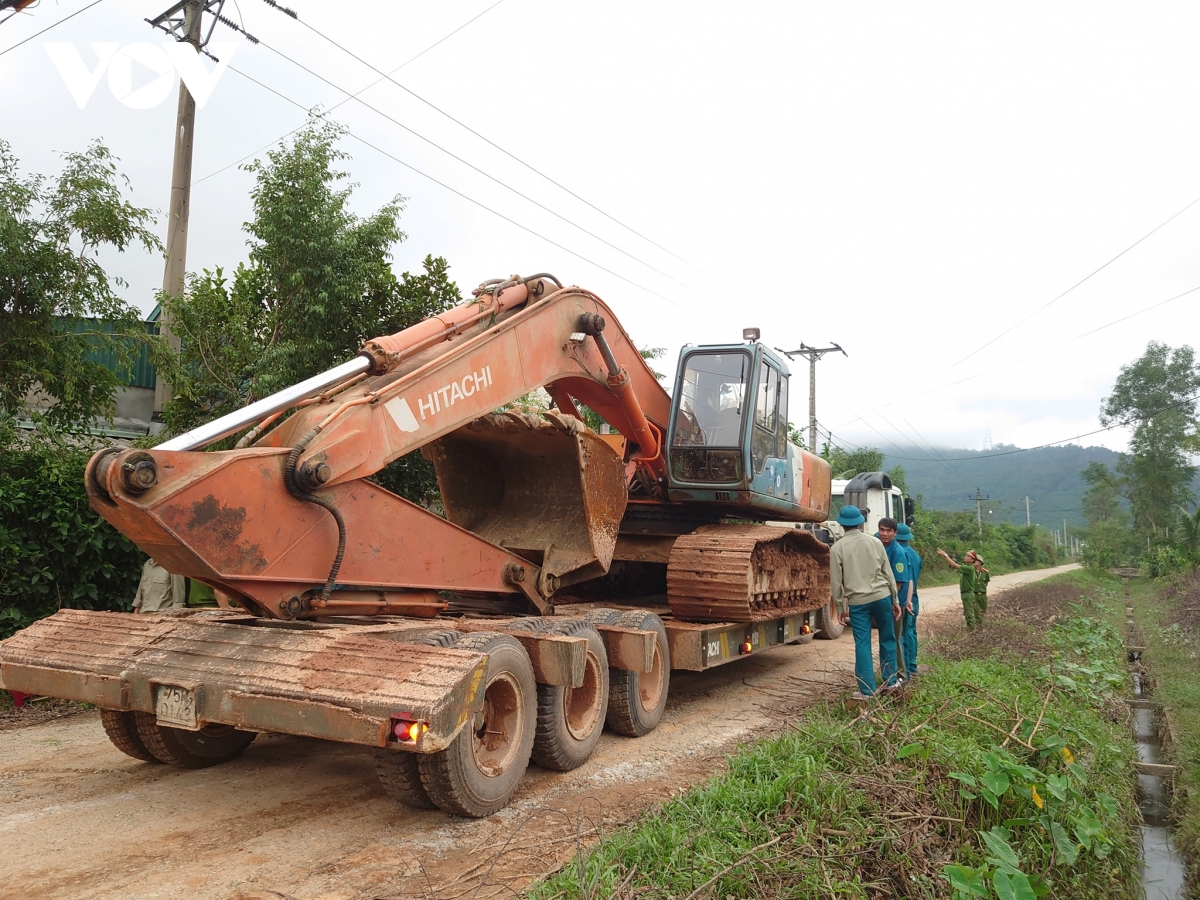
(182, 20)
(979, 498)
(1027, 502)
(812, 354)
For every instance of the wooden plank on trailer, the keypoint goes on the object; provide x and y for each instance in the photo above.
(556, 659)
(629, 648)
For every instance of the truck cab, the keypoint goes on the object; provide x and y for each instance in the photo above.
(728, 438)
(875, 496)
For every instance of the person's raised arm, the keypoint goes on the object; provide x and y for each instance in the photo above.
(946, 557)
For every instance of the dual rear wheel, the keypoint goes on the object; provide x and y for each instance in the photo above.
(555, 726)
(139, 735)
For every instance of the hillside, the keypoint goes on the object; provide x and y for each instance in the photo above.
(1048, 475)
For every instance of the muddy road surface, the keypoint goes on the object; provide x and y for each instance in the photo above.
(307, 820)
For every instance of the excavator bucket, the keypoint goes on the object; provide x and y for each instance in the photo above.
(545, 487)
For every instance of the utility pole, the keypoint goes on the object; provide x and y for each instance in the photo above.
(812, 354)
(979, 498)
(1027, 502)
(182, 21)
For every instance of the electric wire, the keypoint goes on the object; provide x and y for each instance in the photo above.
(471, 165)
(469, 199)
(508, 153)
(48, 27)
(1075, 285)
(346, 100)
(1179, 403)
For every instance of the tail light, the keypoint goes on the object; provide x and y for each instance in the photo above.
(406, 730)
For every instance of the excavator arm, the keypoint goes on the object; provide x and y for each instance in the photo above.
(292, 527)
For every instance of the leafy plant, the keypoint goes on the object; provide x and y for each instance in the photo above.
(51, 284)
(55, 551)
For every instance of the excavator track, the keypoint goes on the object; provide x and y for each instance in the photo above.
(746, 573)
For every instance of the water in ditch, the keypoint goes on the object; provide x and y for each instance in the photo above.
(1164, 874)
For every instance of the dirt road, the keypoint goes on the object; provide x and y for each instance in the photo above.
(307, 820)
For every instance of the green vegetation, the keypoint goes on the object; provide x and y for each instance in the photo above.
(1156, 395)
(54, 550)
(1004, 775)
(54, 292)
(1168, 621)
(64, 333)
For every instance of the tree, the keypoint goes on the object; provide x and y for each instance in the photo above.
(317, 285)
(1156, 394)
(848, 463)
(53, 288)
(1108, 540)
(1101, 501)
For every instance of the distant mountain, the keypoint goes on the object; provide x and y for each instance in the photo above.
(1048, 475)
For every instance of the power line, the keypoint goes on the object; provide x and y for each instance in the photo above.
(471, 200)
(1166, 408)
(48, 27)
(507, 153)
(347, 99)
(470, 165)
(1075, 285)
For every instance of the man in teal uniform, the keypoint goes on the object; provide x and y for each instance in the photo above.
(899, 561)
(908, 637)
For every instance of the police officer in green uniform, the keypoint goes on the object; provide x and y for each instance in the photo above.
(982, 577)
(966, 586)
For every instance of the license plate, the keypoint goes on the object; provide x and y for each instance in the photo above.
(174, 705)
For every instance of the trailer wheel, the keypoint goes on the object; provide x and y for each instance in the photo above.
(636, 700)
(121, 728)
(528, 623)
(570, 719)
(477, 774)
(397, 769)
(210, 746)
(401, 777)
(602, 615)
(830, 627)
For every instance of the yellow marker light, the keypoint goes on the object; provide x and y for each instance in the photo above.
(747, 647)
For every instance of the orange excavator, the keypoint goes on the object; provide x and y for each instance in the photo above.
(572, 569)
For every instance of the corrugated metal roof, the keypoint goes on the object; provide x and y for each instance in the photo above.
(141, 374)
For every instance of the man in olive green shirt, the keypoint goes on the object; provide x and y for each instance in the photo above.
(966, 586)
(159, 589)
(862, 583)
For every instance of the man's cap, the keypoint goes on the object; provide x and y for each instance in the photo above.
(903, 532)
(850, 516)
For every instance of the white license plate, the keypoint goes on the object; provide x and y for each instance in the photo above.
(176, 706)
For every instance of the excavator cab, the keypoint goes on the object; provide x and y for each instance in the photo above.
(728, 440)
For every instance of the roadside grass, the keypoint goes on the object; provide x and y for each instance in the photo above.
(1167, 617)
(1000, 774)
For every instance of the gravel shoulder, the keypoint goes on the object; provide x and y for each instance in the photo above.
(306, 820)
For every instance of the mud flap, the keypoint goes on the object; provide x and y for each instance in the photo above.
(544, 487)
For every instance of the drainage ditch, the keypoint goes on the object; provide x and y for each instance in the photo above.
(1164, 873)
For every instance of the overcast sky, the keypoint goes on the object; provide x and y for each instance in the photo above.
(910, 180)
